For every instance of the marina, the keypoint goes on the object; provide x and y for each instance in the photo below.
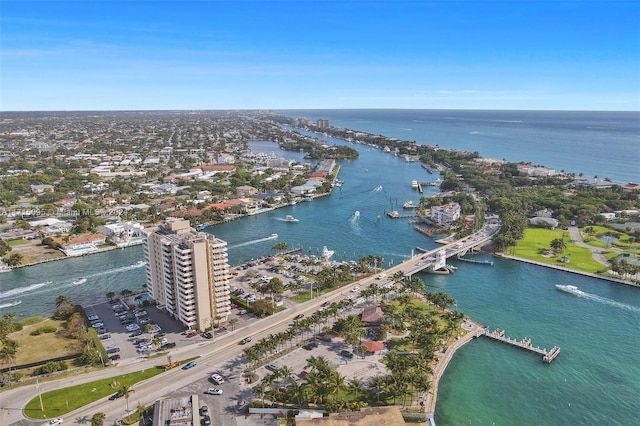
(498, 334)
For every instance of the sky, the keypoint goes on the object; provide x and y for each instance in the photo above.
(314, 54)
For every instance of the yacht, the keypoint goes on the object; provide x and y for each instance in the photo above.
(414, 184)
(570, 289)
(290, 218)
(140, 263)
(409, 205)
(326, 253)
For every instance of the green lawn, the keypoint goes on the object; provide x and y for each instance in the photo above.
(61, 401)
(537, 240)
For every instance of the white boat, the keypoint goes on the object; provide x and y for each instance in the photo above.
(79, 281)
(326, 253)
(273, 236)
(409, 205)
(414, 184)
(290, 218)
(357, 213)
(140, 263)
(8, 305)
(570, 289)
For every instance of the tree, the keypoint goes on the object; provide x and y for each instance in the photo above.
(558, 245)
(9, 351)
(98, 419)
(280, 247)
(110, 295)
(14, 259)
(126, 392)
(233, 321)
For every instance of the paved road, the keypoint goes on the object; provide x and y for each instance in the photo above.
(576, 238)
(212, 353)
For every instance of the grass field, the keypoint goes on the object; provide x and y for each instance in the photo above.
(44, 346)
(537, 240)
(61, 401)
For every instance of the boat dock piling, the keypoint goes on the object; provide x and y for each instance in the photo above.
(498, 334)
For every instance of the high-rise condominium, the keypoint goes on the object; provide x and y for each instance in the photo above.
(188, 274)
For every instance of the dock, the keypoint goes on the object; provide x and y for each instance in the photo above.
(396, 215)
(428, 231)
(478, 262)
(498, 334)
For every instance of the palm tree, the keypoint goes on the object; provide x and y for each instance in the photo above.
(62, 300)
(110, 295)
(355, 386)
(336, 383)
(233, 321)
(126, 392)
(261, 389)
(9, 351)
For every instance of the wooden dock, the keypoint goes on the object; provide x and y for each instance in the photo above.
(498, 334)
(428, 231)
(395, 215)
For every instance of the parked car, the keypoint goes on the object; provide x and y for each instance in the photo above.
(189, 365)
(54, 422)
(113, 350)
(213, 391)
(274, 366)
(169, 345)
(192, 334)
(346, 354)
(242, 311)
(136, 333)
(217, 379)
(114, 357)
(204, 410)
(311, 345)
(104, 336)
(207, 335)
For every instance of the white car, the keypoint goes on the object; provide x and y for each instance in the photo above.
(133, 327)
(214, 391)
(355, 289)
(54, 422)
(217, 379)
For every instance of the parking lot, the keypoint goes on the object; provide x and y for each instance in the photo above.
(114, 333)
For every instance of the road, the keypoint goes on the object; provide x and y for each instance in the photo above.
(211, 353)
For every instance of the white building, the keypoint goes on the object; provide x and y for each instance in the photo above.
(124, 234)
(444, 215)
(188, 274)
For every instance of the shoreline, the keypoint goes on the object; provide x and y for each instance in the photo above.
(442, 362)
(574, 271)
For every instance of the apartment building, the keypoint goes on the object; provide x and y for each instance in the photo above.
(445, 215)
(188, 274)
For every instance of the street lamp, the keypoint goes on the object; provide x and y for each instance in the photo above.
(100, 355)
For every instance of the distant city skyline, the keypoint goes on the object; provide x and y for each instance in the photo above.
(307, 54)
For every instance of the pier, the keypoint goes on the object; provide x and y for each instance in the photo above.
(498, 334)
(395, 215)
(478, 262)
(428, 231)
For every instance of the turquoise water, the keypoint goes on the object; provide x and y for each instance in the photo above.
(596, 378)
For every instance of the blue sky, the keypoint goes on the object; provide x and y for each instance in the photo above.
(135, 55)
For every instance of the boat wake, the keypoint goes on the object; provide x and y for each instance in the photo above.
(21, 290)
(270, 237)
(593, 297)
(8, 305)
(136, 265)
(377, 188)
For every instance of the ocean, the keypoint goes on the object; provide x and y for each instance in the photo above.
(604, 144)
(595, 379)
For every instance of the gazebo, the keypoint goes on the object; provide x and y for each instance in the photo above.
(373, 346)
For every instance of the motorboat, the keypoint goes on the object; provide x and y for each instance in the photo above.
(326, 253)
(414, 184)
(409, 205)
(140, 263)
(290, 218)
(79, 281)
(570, 289)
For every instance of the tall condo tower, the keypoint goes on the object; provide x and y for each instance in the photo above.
(188, 274)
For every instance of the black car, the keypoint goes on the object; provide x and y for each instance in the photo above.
(310, 346)
(346, 354)
(114, 357)
(136, 333)
(169, 345)
(297, 317)
(207, 335)
(116, 395)
(245, 340)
